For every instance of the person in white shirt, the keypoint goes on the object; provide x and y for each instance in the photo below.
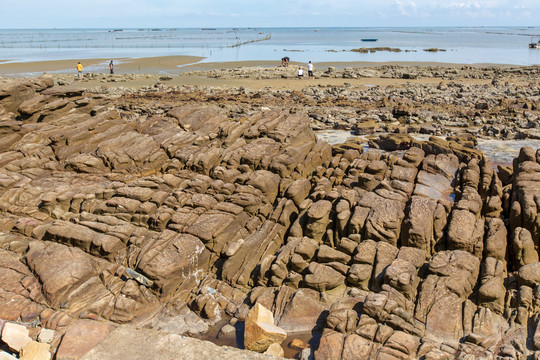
(310, 70)
(300, 73)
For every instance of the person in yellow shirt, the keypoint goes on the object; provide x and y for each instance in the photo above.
(79, 70)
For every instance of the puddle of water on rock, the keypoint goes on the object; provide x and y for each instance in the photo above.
(498, 151)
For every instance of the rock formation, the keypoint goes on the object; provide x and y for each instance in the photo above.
(260, 333)
(128, 210)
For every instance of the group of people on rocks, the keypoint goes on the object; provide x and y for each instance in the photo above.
(310, 68)
(80, 69)
(285, 63)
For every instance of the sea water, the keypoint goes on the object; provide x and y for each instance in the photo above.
(498, 151)
(465, 45)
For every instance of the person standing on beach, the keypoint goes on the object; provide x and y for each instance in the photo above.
(300, 73)
(310, 70)
(111, 67)
(79, 70)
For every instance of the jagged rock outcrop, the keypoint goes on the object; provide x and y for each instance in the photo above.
(177, 217)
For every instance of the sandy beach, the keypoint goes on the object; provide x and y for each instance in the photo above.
(147, 65)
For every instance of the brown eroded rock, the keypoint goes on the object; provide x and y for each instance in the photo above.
(59, 91)
(171, 259)
(265, 242)
(275, 349)
(523, 247)
(46, 336)
(35, 351)
(465, 231)
(366, 127)
(496, 242)
(84, 238)
(357, 347)
(298, 190)
(302, 312)
(491, 292)
(404, 343)
(418, 225)
(33, 105)
(530, 274)
(298, 344)
(129, 207)
(15, 336)
(392, 142)
(383, 222)
(81, 337)
(401, 275)
(452, 275)
(341, 318)
(536, 336)
(260, 331)
(437, 146)
(524, 203)
(330, 346)
(323, 277)
(60, 269)
(12, 94)
(22, 297)
(318, 219)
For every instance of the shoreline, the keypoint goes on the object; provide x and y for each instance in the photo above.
(177, 64)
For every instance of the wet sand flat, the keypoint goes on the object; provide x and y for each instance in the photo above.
(122, 66)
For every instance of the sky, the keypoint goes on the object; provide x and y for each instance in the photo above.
(16, 14)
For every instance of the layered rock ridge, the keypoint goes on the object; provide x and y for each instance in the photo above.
(149, 215)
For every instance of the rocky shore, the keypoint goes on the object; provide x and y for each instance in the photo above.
(188, 210)
(485, 102)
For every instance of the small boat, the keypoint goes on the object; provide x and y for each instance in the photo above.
(369, 39)
(533, 44)
(206, 29)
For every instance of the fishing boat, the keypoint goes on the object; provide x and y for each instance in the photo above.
(533, 44)
(369, 39)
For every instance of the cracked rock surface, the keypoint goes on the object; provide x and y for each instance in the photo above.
(177, 215)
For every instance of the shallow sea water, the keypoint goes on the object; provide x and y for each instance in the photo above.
(467, 45)
(498, 151)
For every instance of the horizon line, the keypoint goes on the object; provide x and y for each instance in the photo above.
(271, 27)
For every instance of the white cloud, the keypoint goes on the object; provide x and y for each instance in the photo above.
(134, 13)
(407, 8)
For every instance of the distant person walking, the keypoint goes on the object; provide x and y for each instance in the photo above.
(79, 70)
(310, 70)
(300, 73)
(111, 67)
